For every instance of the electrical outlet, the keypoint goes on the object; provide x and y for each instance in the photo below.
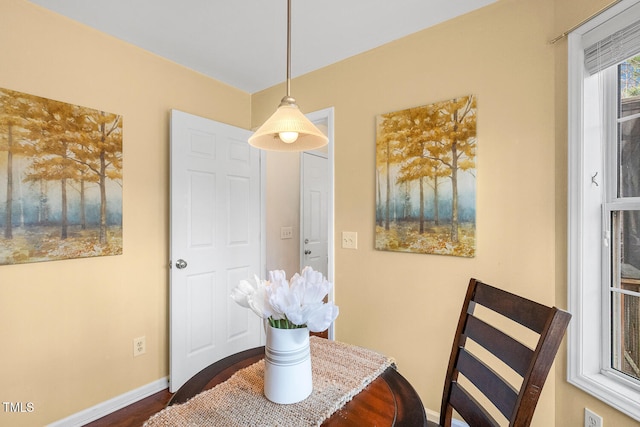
(591, 419)
(139, 346)
(286, 232)
(350, 240)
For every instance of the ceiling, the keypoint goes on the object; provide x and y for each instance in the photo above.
(243, 42)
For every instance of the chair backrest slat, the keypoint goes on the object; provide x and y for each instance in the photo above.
(503, 396)
(516, 402)
(469, 409)
(511, 351)
(526, 312)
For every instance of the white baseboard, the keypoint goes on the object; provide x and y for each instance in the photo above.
(435, 417)
(432, 416)
(105, 408)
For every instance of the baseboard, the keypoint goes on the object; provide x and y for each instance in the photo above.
(432, 416)
(435, 417)
(105, 408)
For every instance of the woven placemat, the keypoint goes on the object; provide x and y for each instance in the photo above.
(339, 370)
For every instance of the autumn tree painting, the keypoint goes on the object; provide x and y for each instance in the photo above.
(60, 180)
(425, 179)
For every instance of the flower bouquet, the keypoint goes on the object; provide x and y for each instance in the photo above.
(298, 303)
(292, 309)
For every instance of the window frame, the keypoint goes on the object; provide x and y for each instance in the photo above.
(588, 349)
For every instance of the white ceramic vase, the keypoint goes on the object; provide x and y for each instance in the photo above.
(287, 365)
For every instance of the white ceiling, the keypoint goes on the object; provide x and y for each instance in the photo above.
(243, 42)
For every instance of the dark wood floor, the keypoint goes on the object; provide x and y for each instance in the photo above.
(136, 414)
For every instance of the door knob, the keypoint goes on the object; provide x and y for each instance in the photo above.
(181, 264)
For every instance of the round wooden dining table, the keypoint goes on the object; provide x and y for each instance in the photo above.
(389, 400)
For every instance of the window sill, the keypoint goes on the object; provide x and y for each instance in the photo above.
(611, 391)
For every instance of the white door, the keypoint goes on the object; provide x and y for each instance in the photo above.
(215, 242)
(314, 212)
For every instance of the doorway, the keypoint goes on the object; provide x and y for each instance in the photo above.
(313, 212)
(283, 204)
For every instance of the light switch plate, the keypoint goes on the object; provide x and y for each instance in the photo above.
(286, 232)
(350, 240)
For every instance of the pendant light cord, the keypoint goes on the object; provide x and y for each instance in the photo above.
(288, 99)
(288, 48)
(288, 129)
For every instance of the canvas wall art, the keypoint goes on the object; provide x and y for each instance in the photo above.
(60, 180)
(426, 179)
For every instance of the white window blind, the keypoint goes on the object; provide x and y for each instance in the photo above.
(616, 47)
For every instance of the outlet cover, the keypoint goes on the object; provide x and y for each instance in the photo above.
(139, 346)
(591, 419)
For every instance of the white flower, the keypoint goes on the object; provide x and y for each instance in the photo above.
(254, 297)
(320, 319)
(259, 301)
(241, 293)
(277, 276)
(293, 304)
(315, 286)
(281, 299)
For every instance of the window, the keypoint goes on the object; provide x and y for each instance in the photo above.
(623, 216)
(604, 207)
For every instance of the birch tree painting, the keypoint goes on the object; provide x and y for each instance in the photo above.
(425, 179)
(60, 180)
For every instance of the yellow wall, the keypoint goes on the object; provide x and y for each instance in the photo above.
(407, 305)
(66, 327)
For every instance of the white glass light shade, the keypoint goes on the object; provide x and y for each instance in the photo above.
(288, 118)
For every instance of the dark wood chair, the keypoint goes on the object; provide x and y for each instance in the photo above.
(469, 361)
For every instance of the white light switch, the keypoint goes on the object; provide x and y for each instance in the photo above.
(350, 240)
(286, 232)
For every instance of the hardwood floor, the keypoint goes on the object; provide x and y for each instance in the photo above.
(136, 414)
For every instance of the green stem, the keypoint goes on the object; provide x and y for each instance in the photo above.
(283, 324)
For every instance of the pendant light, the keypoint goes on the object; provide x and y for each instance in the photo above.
(288, 129)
